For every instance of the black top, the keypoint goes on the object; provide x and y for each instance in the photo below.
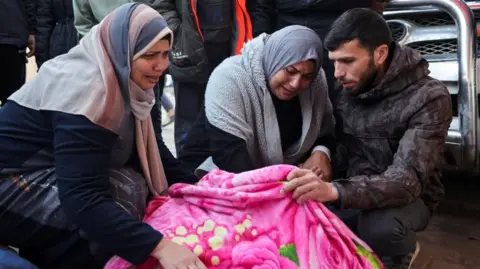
(229, 152)
(289, 117)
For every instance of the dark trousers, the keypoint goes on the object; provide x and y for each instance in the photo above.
(189, 98)
(12, 70)
(160, 96)
(391, 231)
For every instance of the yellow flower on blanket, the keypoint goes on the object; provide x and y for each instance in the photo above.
(215, 260)
(198, 250)
(243, 226)
(178, 240)
(208, 225)
(220, 231)
(215, 242)
(181, 230)
(239, 228)
(194, 235)
(191, 239)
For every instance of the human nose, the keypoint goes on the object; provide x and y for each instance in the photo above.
(161, 64)
(295, 81)
(339, 71)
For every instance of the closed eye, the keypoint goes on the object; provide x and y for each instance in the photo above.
(152, 55)
(291, 70)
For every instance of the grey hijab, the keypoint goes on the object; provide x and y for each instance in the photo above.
(291, 45)
(237, 98)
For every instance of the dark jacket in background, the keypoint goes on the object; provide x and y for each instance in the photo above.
(56, 33)
(17, 21)
(189, 58)
(271, 15)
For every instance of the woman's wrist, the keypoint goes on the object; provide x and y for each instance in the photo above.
(160, 247)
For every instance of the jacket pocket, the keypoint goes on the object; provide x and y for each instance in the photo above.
(188, 61)
(187, 47)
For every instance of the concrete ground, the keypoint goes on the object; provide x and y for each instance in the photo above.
(452, 240)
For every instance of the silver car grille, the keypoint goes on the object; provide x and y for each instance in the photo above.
(432, 33)
(433, 48)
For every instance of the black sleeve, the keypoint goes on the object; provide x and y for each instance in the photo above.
(327, 141)
(174, 170)
(31, 10)
(263, 16)
(168, 9)
(82, 151)
(229, 152)
(45, 24)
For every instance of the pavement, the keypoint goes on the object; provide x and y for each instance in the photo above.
(451, 241)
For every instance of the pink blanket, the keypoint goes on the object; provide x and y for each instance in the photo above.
(243, 221)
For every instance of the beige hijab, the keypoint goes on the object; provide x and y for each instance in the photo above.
(93, 79)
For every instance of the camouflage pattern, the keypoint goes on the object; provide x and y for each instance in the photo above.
(391, 138)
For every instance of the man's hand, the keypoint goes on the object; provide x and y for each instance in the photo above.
(173, 256)
(319, 163)
(31, 45)
(307, 186)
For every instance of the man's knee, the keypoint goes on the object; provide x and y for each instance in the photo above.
(392, 232)
(379, 229)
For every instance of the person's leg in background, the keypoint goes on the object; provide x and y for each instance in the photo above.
(189, 98)
(163, 99)
(12, 70)
(166, 103)
(159, 88)
(168, 106)
(196, 149)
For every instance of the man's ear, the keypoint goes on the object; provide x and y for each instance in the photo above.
(380, 54)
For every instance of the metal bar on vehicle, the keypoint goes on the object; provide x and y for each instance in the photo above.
(467, 56)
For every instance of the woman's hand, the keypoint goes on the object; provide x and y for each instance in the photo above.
(305, 185)
(173, 256)
(319, 163)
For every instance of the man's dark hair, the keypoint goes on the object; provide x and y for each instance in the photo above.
(364, 24)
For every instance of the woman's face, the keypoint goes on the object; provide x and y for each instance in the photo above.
(147, 69)
(292, 80)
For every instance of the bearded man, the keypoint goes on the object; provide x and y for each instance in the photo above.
(392, 120)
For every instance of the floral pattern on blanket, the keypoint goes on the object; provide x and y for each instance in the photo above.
(243, 221)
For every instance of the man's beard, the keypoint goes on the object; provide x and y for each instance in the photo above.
(366, 82)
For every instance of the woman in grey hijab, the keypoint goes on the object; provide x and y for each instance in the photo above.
(268, 106)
